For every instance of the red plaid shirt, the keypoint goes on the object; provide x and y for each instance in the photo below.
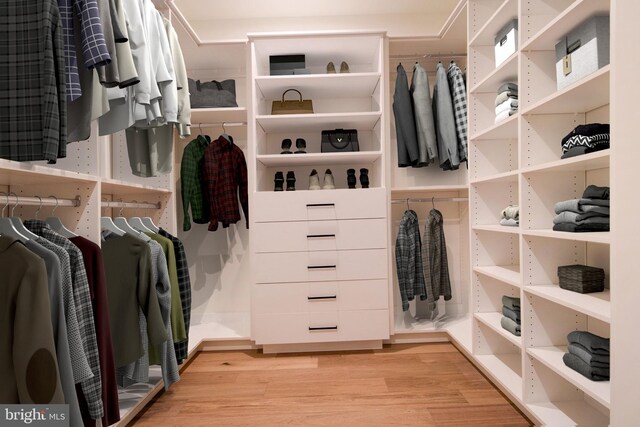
(225, 172)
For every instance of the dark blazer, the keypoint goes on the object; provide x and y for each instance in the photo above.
(407, 140)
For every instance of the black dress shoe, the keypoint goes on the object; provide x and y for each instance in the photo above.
(279, 182)
(291, 181)
(301, 146)
(364, 178)
(286, 146)
(351, 178)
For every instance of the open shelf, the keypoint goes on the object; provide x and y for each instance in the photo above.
(596, 304)
(492, 320)
(585, 162)
(579, 11)
(551, 357)
(582, 96)
(507, 71)
(497, 228)
(594, 237)
(23, 173)
(315, 86)
(316, 159)
(218, 115)
(505, 273)
(460, 331)
(317, 122)
(506, 129)
(503, 369)
(511, 176)
(487, 34)
(115, 186)
(568, 413)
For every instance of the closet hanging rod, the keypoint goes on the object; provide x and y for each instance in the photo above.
(130, 205)
(430, 199)
(219, 124)
(428, 56)
(40, 201)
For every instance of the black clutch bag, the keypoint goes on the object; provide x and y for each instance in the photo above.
(339, 141)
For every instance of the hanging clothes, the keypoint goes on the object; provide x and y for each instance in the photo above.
(459, 95)
(423, 111)
(445, 121)
(192, 182)
(407, 141)
(434, 259)
(409, 260)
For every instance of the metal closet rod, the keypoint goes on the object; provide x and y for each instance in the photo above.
(39, 201)
(430, 199)
(130, 205)
(429, 56)
(219, 124)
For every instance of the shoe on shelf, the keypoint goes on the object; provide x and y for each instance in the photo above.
(279, 182)
(301, 146)
(364, 178)
(329, 184)
(291, 181)
(314, 180)
(344, 67)
(331, 69)
(351, 178)
(286, 146)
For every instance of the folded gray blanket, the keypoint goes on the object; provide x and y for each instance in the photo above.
(594, 360)
(593, 343)
(511, 212)
(503, 96)
(511, 314)
(588, 218)
(580, 228)
(595, 192)
(506, 105)
(594, 374)
(508, 86)
(510, 325)
(512, 303)
(510, 222)
(583, 206)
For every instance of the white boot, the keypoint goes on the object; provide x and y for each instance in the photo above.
(328, 181)
(314, 180)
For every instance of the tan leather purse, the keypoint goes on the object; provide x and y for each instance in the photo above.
(298, 106)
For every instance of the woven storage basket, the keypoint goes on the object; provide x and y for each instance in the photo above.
(581, 278)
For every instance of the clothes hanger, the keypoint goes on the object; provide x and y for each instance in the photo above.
(122, 223)
(148, 222)
(56, 223)
(136, 223)
(17, 222)
(225, 135)
(206, 137)
(6, 226)
(107, 224)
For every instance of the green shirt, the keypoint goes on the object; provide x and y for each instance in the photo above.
(192, 183)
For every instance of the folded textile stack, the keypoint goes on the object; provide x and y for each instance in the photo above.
(510, 216)
(588, 355)
(506, 101)
(511, 314)
(590, 213)
(586, 139)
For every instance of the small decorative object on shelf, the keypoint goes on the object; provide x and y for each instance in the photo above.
(581, 278)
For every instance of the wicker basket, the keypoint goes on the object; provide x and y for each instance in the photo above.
(581, 278)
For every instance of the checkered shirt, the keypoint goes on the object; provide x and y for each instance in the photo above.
(459, 95)
(192, 183)
(33, 112)
(409, 260)
(434, 259)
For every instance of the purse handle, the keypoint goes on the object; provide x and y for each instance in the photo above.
(199, 87)
(288, 90)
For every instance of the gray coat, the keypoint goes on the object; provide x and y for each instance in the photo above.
(423, 112)
(445, 121)
(407, 140)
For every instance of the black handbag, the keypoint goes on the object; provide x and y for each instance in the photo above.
(213, 94)
(339, 141)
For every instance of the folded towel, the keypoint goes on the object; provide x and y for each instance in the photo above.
(595, 192)
(587, 130)
(511, 212)
(512, 303)
(510, 326)
(507, 105)
(594, 374)
(582, 206)
(593, 343)
(571, 217)
(511, 314)
(508, 86)
(580, 228)
(510, 222)
(594, 360)
(505, 115)
(503, 96)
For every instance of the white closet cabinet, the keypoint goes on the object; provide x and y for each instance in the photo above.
(319, 258)
(517, 161)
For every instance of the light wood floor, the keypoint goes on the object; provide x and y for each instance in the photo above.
(417, 384)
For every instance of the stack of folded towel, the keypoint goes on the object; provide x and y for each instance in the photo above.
(590, 213)
(586, 139)
(506, 101)
(510, 216)
(511, 314)
(588, 355)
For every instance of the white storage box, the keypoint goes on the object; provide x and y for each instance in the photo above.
(583, 51)
(506, 41)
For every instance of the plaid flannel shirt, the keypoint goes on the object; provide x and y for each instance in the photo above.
(459, 95)
(434, 258)
(92, 387)
(409, 260)
(225, 173)
(192, 182)
(33, 112)
(184, 282)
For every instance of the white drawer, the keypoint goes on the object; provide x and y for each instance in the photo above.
(274, 298)
(318, 205)
(320, 266)
(320, 235)
(357, 325)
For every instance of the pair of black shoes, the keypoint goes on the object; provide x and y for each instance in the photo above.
(301, 145)
(352, 181)
(279, 181)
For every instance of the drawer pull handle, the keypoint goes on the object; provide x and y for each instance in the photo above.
(320, 236)
(320, 205)
(321, 267)
(322, 298)
(323, 328)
